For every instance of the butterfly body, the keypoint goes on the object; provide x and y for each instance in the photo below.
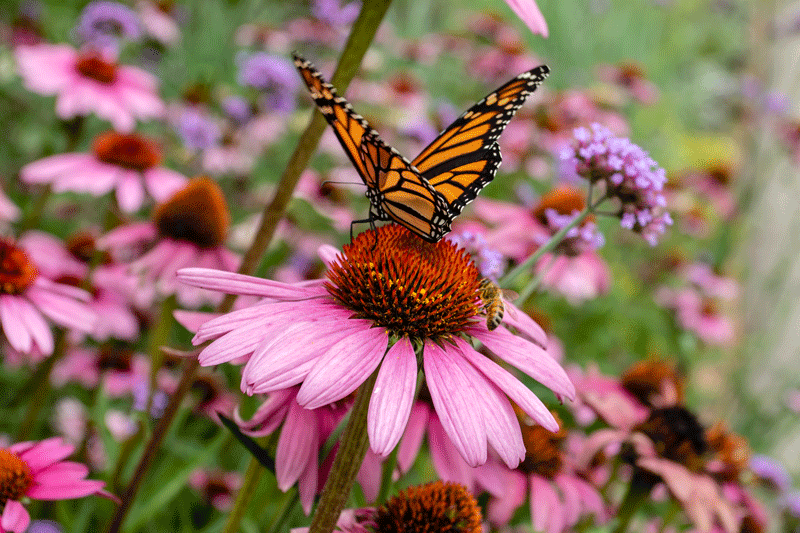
(426, 194)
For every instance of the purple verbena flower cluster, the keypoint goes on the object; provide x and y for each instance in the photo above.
(274, 75)
(102, 23)
(490, 262)
(628, 173)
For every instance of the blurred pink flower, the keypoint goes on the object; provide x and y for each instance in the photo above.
(350, 348)
(90, 81)
(128, 163)
(188, 230)
(630, 77)
(37, 470)
(217, 487)
(27, 296)
(9, 212)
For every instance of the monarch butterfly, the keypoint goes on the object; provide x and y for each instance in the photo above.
(426, 194)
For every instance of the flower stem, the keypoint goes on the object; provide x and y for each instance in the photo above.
(40, 385)
(549, 245)
(158, 338)
(352, 449)
(361, 35)
(534, 283)
(251, 478)
(641, 485)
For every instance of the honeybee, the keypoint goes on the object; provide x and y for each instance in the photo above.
(492, 297)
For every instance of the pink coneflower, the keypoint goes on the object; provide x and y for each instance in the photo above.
(631, 78)
(26, 297)
(558, 494)
(128, 163)
(188, 230)
(90, 81)
(37, 470)
(330, 335)
(217, 487)
(9, 212)
(530, 14)
(111, 287)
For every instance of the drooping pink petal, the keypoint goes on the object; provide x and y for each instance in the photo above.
(528, 358)
(66, 491)
(37, 326)
(269, 415)
(49, 168)
(527, 326)
(453, 395)
(241, 342)
(162, 182)
(308, 483)
(411, 442)
(63, 310)
(15, 517)
(296, 445)
(130, 191)
(61, 473)
(572, 499)
(447, 460)
(39, 455)
(16, 332)
(369, 475)
(281, 362)
(233, 283)
(529, 12)
(510, 385)
(502, 508)
(546, 512)
(392, 397)
(343, 368)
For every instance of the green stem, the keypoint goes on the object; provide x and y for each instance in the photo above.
(549, 245)
(40, 385)
(158, 338)
(641, 485)
(279, 526)
(532, 285)
(352, 449)
(125, 452)
(251, 478)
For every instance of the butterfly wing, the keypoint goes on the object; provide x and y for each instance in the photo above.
(465, 156)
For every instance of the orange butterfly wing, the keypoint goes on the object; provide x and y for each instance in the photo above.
(465, 156)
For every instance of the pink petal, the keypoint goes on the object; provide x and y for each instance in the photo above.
(162, 182)
(514, 388)
(61, 473)
(527, 357)
(130, 192)
(49, 168)
(453, 395)
(239, 343)
(15, 517)
(392, 397)
(411, 442)
(16, 332)
(192, 320)
(343, 368)
(308, 484)
(67, 491)
(269, 415)
(447, 460)
(502, 508)
(528, 327)
(280, 362)
(297, 445)
(369, 475)
(36, 326)
(63, 310)
(529, 12)
(42, 454)
(546, 512)
(232, 283)
(572, 499)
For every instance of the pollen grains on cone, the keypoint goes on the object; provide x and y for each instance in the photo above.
(15, 477)
(197, 213)
(437, 507)
(408, 286)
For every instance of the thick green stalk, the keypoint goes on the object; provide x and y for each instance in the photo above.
(251, 478)
(352, 449)
(159, 337)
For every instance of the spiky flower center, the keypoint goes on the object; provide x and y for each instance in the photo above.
(17, 272)
(543, 453)
(91, 65)
(112, 356)
(437, 507)
(15, 477)
(677, 436)
(646, 380)
(197, 213)
(126, 150)
(407, 285)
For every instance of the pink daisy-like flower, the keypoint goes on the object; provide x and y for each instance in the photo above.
(330, 335)
(37, 470)
(27, 296)
(188, 230)
(128, 163)
(530, 14)
(89, 81)
(557, 492)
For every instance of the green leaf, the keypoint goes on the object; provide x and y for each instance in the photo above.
(252, 446)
